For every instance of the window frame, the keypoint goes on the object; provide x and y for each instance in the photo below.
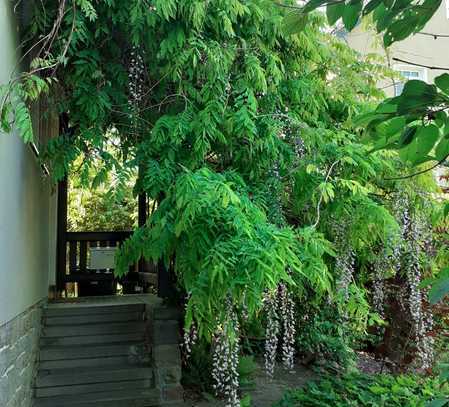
(422, 73)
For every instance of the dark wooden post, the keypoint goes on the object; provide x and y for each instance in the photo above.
(61, 248)
(142, 219)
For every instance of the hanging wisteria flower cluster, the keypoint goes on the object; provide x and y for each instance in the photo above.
(379, 286)
(279, 305)
(190, 336)
(136, 80)
(345, 261)
(271, 333)
(416, 240)
(422, 324)
(280, 311)
(287, 314)
(225, 358)
(386, 260)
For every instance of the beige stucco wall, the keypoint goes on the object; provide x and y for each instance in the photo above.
(26, 215)
(420, 49)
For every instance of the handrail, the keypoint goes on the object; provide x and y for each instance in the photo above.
(97, 236)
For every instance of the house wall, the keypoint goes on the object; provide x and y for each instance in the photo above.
(26, 254)
(418, 48)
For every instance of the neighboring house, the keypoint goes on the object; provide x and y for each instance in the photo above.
(428, 48)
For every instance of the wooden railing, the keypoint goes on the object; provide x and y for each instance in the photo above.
(78, 244)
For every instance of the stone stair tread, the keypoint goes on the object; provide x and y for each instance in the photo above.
(92, 329)
(119, 398)
(140, 384)
(66, 377)
(93, 339)
(123, 360)
(62, 352)
(82, 309)
(128, 316)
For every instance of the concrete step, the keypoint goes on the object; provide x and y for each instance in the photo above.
(70, 377)
(137, 385)
(92, 329)
(80, 309)
(80, 381)
(93, 318)
(92, 339)
(119, 398)
(88, 362)
(88, 351)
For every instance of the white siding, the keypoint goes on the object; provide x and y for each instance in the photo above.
(24, 205)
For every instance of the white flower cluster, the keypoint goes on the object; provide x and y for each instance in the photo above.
(422, 320)
(345, 261)
(416, 234)
(379, 288)
(384, 262)
(287, 313)
(190, 339)
(271, 333)
(300, 148)
(136, 78)
(280, 310)
(225, 359)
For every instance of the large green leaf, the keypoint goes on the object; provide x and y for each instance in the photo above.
(420, 145)
(442, 82)
(440, 288)
(391, 127)
(416, 88)
(438, 403)
(442, 149)
(334, 12)
(314, 4)
(351, 15)
(295, 22)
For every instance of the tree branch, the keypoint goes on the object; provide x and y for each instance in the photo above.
(439, 68)
(419, 172)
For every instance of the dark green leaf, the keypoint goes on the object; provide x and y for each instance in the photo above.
(407, 136)
(313, 4)
(420, 144)
(442, 82)
(295, 22)
(442, 149)
(334, 12)
(440, 289)
(351, 15)
(438, 403)
(371, 6)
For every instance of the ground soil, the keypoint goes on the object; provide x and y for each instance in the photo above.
(264, 391)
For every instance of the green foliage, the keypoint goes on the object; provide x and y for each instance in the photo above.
(395, 19)
(101, 199)
(243, 138)
(356, 389)
(224, 246)
(15, 100)
(440, 287)
(413, 123)
(247, 369)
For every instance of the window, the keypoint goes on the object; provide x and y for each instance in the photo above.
(408, 73)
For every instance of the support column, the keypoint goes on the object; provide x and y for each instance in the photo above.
(61, 249)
